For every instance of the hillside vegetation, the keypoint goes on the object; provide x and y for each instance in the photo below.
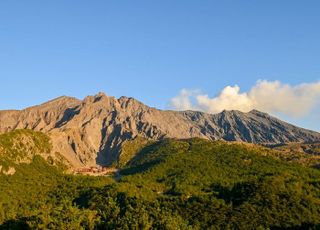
(302, 153)
(37, 194)
(170, 184)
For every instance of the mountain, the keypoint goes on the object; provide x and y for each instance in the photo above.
(92, 131)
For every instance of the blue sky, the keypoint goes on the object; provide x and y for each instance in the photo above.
(151, 50)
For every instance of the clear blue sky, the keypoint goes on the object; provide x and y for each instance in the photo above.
(151, 49)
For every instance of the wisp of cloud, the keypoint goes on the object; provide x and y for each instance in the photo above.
(268, 96)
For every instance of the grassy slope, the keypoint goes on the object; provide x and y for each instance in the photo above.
(130, 148)
(192, 166)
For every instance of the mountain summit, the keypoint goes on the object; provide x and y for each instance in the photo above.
(91, 131)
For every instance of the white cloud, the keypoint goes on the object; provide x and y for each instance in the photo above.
(183, 102)
(267, 96)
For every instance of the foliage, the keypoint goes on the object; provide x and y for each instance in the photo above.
(16, 144)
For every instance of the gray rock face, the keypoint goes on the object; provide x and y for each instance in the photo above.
(91, 131)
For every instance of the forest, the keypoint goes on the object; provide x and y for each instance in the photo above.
(169, 184)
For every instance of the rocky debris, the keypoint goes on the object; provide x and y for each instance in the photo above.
(91, 131)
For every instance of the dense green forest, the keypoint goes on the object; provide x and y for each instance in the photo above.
(171, 184)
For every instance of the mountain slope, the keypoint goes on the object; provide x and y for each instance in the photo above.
(20, 147)
(92, 131)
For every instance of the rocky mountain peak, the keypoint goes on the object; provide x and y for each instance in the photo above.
(63, 100)
(259, 113)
